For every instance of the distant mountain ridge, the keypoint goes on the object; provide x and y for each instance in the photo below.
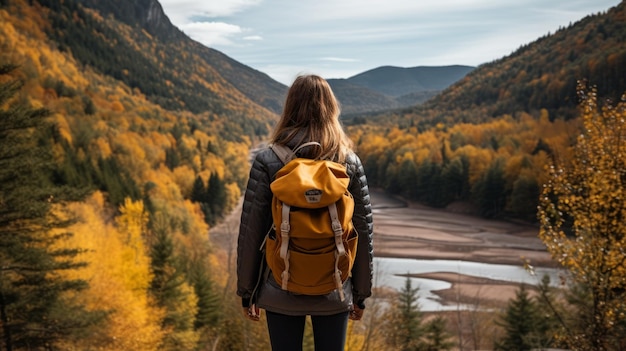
(390, 87)
(399, 81)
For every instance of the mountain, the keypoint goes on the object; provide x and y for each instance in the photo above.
(486, 142)
(148, 133)
(389, 87)
(542, 74)
(398, 81)
(137, 44)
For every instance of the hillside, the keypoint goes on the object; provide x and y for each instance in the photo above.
(131, 141)
(389, 87)
(154, 56)
(485, 141)
(543, 74)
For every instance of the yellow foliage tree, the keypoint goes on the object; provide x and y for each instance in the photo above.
(583, 223)
(118, 272)
(132, 223)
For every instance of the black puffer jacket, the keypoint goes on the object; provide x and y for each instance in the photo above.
(256, 221)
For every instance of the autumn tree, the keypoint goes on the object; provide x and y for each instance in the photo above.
(35, 308)
(583, 221)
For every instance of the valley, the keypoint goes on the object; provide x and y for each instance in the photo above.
(405, 230)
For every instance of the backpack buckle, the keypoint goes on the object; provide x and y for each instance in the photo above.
(337, 229)
(285, 279)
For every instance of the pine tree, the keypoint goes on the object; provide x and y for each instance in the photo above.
(171, 291)
(524, 196)
(198, 190)
(209, 311)
(405, 320)
(522, 324)
(490, 191)
(550, 314)
(35, 308)
(455, 176)
(436, 338)
(407, 175)
(216, 194)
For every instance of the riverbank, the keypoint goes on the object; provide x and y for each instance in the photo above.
(408, 230)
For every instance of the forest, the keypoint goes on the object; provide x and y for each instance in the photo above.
(111, 183)
(107, 199)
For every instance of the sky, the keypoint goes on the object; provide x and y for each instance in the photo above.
(342, 38)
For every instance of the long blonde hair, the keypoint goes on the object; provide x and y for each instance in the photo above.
(311, 113)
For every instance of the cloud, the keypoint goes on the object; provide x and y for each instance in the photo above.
(338, 59)
(253, 37)
(211, 33)
(181, 11)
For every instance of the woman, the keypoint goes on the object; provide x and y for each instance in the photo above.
(311, 113)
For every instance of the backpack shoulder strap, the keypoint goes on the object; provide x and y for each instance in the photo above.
(285, 154)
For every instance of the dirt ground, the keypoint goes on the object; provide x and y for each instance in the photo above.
(408, 230)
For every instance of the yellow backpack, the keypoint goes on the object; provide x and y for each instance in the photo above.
(314, 246)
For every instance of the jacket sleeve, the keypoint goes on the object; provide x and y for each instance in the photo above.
(362, 271)
(256, 219)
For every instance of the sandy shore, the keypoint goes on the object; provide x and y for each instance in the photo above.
(415, 231)
(408, 230)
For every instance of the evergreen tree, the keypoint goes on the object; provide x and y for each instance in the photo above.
(216, 197)
(522, 324)
(455, 177)
(198, 191)
(172, 160)
(550, 314)
(208, 314)
(370, 164)
(524, 198)
(168, 288)
(35, 308)
(405, 321)
(407, 175)
(490, 191)
(116, 181)
(211, 148)
(436, 338)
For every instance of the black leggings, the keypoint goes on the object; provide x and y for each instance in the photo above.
(287, 332)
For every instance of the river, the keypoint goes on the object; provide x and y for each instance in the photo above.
(418, 240)
(392, 272)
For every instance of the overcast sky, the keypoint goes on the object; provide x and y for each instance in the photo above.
(341, 38)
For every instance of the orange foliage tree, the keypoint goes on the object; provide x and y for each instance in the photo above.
(582, 214)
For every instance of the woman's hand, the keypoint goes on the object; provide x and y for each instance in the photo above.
(356, 314)
(252, 313)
